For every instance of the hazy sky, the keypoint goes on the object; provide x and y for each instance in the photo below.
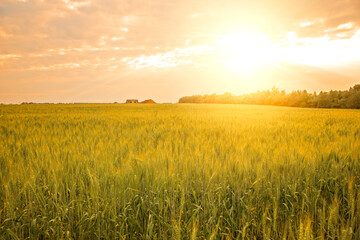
(106, 51)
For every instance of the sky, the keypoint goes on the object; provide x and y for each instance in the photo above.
(109, 51)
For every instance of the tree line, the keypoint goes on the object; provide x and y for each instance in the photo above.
(332, 99)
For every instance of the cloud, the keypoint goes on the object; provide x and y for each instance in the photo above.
(173, 58)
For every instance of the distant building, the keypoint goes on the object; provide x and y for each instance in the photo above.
(149, 101)
(132, 101)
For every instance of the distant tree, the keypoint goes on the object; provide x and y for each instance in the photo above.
(323, 100)
(299, 99)
(332, 99)
(354, 97)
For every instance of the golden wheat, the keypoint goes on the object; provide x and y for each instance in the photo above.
(115, 171)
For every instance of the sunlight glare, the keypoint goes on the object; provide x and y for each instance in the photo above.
(243, 52)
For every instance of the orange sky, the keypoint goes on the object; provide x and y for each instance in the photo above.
(106, 51)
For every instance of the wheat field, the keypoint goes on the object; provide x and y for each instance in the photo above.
(178, 171)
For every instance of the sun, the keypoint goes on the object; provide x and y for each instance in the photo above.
(245, 52)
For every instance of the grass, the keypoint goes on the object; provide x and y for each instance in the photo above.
(114, 171)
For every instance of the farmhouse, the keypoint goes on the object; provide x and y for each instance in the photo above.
(149, 101)
(132, 101)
